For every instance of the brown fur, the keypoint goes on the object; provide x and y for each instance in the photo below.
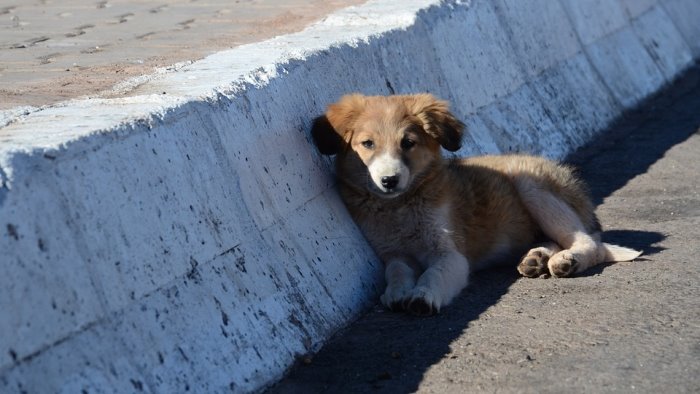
(433, 220)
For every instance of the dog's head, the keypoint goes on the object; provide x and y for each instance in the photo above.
(386, 143)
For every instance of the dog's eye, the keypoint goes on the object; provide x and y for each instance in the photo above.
(407, 143)
(369, 144)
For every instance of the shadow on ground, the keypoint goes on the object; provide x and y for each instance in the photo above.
(640, 137)
(390, 352)
(640, 240)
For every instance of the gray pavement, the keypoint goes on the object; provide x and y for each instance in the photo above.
(57, 50)
(625, 327)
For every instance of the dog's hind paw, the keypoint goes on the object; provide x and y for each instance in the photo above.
(533, 264)
(563, 264)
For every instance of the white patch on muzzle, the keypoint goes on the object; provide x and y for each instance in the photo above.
(385, 167)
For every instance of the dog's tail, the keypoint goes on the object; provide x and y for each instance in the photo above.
(615, 253)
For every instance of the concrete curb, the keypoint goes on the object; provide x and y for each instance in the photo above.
(187, 236)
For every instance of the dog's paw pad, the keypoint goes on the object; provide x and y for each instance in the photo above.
(420, 307)
(422, 303)
(534, 264)
(563, 265)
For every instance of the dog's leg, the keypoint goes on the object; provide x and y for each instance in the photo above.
(534, 263)
(400, 280)
(561, 224)
(445, 277)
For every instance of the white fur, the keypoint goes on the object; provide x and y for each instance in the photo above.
(619, 253)
(386, 165)
(400, 281)
(561, 224)
(446, 273)
(446, 276)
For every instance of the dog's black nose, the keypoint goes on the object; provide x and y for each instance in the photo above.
(390, 182)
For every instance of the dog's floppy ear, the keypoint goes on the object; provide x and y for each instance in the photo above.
(330, 131)
(437, 119)
(327, 140)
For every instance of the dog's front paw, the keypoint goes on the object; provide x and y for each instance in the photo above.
(395, 297)
(422, 302)
(563, 264)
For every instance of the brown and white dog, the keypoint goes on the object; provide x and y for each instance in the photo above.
(433, 221)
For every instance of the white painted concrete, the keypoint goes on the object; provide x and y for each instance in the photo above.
(684, 14)
(189, 235)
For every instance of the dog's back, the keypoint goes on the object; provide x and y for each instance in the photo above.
(557, 178)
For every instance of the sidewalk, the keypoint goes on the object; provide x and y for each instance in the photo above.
(53, 51)
(626, 327)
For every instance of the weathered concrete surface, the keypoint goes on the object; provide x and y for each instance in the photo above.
(187, 235)
(626, 327)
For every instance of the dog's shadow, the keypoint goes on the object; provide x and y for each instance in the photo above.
(646, 241)
(391, 352)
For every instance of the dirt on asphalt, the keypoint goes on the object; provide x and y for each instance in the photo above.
(625, 327)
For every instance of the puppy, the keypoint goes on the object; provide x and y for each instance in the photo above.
(432, 221)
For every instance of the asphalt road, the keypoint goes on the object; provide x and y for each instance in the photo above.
(625, 327)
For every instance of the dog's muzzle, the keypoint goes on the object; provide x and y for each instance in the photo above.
(389, 176)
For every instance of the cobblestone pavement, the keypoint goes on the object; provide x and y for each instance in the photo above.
(56, 50)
